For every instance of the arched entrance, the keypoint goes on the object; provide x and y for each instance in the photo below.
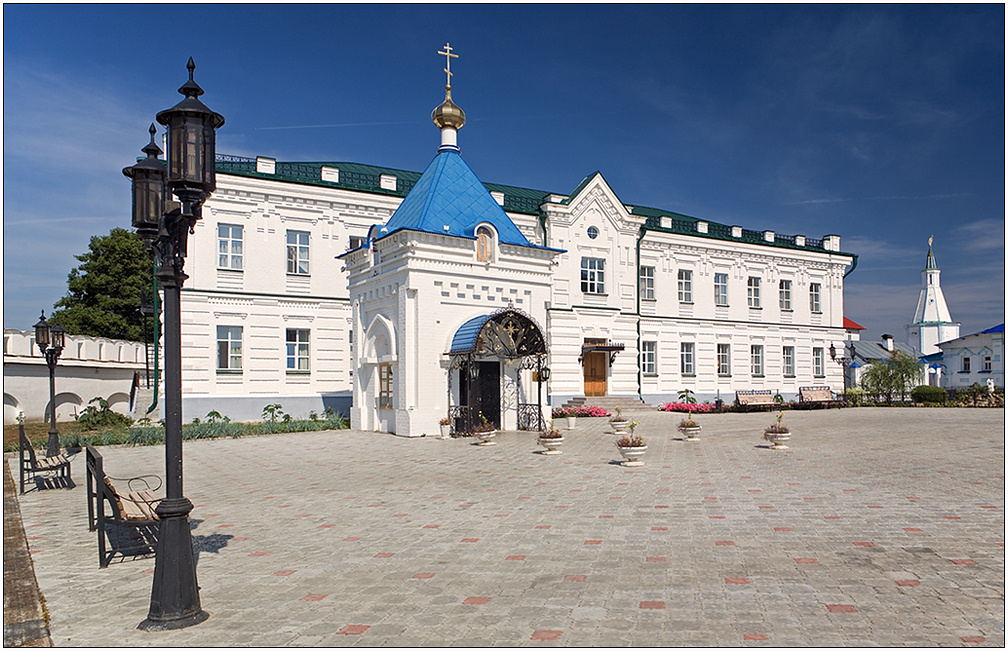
(488, 353)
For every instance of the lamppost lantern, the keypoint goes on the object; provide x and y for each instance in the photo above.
(188, 174)
(56, 335)
(148, 177)
(832, 352)
(191, 143)
(42, 333)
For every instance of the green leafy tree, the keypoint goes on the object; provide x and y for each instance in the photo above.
(103, 293)
(893, 377)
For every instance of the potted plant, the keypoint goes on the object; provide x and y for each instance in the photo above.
(631, 447)
(619, 423)
(446, 427)
(688, 426)
(777, 433)
(484, 431)
(551, 439)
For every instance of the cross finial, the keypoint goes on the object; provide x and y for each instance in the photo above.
(448, 57)
(930, 239)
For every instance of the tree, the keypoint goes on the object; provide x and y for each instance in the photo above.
(892, 377)
(103, 293)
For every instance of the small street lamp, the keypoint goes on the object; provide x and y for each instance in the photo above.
(164, 226)
(846, 357)
(50, 340)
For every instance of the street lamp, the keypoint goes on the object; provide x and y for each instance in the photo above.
(164, 226)
(843, 360)
(50, 341)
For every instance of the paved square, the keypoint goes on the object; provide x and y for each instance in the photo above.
(877, 527)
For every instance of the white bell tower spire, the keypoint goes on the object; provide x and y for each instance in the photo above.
(932, 322)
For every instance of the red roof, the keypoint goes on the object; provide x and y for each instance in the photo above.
(850, 325)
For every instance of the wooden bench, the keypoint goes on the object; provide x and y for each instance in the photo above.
(809, 397)
(133, 512)
(32, 464)
(754, 398)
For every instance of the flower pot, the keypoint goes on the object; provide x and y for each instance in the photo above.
(486, 438)
(571, 422)
(631, 456)
(446, 431)
(692, 433)
(551, 444)
(777, 439)
(620, 426)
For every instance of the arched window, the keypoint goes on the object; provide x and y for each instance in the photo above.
(484, 244)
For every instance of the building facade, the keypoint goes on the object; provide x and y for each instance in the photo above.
(308, 279)
(974, 359)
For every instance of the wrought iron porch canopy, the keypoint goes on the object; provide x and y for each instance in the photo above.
(612, 349)
(507, 333)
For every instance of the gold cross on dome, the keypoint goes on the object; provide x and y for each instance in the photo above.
(448, 57)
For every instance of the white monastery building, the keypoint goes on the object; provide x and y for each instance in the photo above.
(932, 323)
(414, 297)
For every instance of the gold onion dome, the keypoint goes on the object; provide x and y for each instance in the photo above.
(448, 114)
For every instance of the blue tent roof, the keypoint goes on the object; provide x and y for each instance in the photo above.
(464, 340)
(997, 328)
(448, 193)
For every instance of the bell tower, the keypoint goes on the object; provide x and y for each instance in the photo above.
(932, 322)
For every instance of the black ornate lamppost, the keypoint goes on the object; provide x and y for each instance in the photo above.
(50, 340)
(843, 360)
(164, 226)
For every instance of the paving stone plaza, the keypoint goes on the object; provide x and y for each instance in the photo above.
(877, 527)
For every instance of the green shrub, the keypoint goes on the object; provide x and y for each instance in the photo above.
(92, 417)
(926, 393)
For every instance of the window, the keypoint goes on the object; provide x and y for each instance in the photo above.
(752, 291)
(353, 361)
(649, 357)
(818, 369)
(484, 244)
(966, 364)
(720, 289)
(788, 357)
(593, 275)
(987, 364)
(685, 286)
(724, 359)
(756, 356)
(229, 246)
(356, 242)
(647, 283)
(297, 252)
(385, 385)
(814, 290)
(592, 232)
(297, 350)
(686, 358)
(785, 295)
(229, 348)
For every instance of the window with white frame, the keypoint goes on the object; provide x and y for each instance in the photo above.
(814, 295)
(966, 364)
(649, 357)
(297, 350)
(686, 350)
(357, 241)
(818, 369)
(721, 289)
(685, 286)
(351, 343)
(297, 252)
(752, 291)
(756, 357)
(647, 283)
(987, 363)
(724, 359)
(229, 246)
(788, 359)
(785, 295)
(229, 349)
(593, 275)
(385, 385)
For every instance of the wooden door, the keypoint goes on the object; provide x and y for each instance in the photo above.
(596, 365)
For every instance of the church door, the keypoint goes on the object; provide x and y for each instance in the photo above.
(487, 393)
(595, 366)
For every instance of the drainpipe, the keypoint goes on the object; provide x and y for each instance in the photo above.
(640, 379)
(853, 267)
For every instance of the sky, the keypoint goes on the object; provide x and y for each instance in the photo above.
(882, 124)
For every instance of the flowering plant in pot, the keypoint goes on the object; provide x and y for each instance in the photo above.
(688, 426)
(551, 440)
(632, 447)
(777, 433)
(619, 424)
(484, 431)
(446, 426)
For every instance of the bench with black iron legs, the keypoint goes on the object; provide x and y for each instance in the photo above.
(755, 398)
(809, 397)
(109, 509)
(32, 464)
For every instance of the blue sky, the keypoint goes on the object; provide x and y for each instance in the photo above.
(883, 124)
